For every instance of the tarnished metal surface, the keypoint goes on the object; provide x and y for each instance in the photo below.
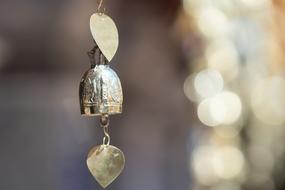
(106, 163)
(100, 92)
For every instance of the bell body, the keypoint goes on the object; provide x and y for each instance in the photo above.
(100, 92)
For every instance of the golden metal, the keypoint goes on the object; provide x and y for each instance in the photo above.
(105, 34)
(100, 92)
(105, 163)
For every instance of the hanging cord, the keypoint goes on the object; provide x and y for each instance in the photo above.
(100, 6)
(105, 121)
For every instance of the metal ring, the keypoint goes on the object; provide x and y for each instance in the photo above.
(106, 140)
(104, 120)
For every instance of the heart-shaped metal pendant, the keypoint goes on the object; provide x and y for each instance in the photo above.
(106, 163)
(105, 34)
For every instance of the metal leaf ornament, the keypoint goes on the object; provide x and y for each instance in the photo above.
(105, 34)
(106, 163)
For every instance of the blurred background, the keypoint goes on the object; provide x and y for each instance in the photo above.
(204, 93)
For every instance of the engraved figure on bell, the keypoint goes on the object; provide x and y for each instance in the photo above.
(89, 93)
(100, 92)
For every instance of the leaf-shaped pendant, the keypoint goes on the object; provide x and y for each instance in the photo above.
(106, 163)
(105, 34)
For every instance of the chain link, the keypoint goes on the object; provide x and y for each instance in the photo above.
(104, 121)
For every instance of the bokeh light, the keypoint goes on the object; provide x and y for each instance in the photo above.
(268, 102)
(223, 57)
(228, 162)
(205, 114)
(189, 89)
(239, 92)
(224, 108)
(202, 164)
(208, 83)
(212, 23)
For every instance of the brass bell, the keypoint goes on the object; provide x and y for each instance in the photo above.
(100, 90)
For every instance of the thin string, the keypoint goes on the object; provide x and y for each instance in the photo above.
(100, 5)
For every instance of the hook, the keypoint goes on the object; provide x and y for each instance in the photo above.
(91, 55)
(104, 121)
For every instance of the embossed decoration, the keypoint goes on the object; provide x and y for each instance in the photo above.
(106, 163)
(101, 92)
(105, 34)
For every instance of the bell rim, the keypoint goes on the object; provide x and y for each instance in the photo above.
(91, 111)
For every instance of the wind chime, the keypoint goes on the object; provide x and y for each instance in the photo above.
(101, 95)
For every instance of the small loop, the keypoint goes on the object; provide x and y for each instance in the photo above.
(106, 140)
(104, 120)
